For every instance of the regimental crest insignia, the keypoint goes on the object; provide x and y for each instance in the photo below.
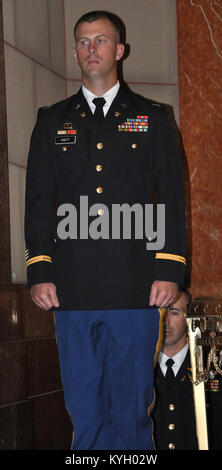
(68, 126)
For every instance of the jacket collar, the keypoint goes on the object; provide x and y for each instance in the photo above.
(123, 105)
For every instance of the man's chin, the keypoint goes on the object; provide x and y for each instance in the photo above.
(168, 341)
(93, 72)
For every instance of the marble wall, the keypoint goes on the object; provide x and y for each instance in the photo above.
(32, 410)
(200, 111)
(35, 76)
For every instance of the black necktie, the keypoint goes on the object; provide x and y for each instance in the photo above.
(99, 103)
(169, 377)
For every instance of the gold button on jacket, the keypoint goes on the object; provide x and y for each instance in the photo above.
(171, 446)
(100, 145)
(171, 407)
(99, 168)
(99, 190)
(100, 212)
(171, 427)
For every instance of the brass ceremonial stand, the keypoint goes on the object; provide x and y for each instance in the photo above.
(204, 322)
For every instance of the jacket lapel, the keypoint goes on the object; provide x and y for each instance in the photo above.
(79, 111)
(122, 107)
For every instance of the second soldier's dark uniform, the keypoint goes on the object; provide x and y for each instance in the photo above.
(174, 417)
(173, 414)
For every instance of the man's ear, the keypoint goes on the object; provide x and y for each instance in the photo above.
(75, 55)
(120, 51)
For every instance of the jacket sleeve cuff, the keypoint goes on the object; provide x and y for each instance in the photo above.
(39, 271)
(170, 268)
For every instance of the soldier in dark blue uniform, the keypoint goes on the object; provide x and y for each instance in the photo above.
(105, 146)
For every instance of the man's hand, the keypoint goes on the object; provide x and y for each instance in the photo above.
(44, 295)
(163, 293)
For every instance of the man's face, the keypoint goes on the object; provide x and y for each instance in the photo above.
(175, 323)
(97, 48)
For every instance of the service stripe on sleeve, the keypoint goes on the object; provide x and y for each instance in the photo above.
(171, 257)
(36, 259)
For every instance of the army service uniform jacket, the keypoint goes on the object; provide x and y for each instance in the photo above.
(112, 163)
(174, 416)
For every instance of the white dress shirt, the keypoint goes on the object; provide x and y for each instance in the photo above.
(178, 360)
(108, 96)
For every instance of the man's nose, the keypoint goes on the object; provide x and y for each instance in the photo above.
(91, 47)
(167, 318)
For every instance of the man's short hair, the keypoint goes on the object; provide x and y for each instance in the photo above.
(101, 14)
(187, 295)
